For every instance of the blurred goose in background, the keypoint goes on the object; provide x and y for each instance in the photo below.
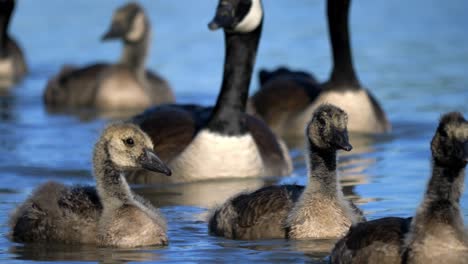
(12, 63)
(108, 215)
(125, 85)
(436, 234)
(316, 211)
(222, 142)
(287, 98)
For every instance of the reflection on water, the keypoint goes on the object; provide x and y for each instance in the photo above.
(201, 194)
(60, 252)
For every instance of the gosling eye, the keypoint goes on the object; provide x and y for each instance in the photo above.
(129, 142)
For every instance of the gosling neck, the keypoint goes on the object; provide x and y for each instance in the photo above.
(322, 172)
(240, 52)
(343, 73)
(443, 192)
(110, 180)
(134, 55)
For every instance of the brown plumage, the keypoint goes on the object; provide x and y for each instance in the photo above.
(108, 215)
(292, 211)
(125, 85)
(436, 233)
(287, 98)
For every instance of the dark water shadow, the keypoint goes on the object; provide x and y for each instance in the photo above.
(61, 252)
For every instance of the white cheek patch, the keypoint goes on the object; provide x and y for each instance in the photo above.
(138, 27)
(252, 19)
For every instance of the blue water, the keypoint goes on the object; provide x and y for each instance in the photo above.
(413, 55)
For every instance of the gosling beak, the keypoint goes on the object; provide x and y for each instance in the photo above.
(116, 31)
(342, 141)
(224, 16)
(150, 161)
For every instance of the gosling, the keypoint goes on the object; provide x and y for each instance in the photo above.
(108, 215)
(436, 234)
(317, 211)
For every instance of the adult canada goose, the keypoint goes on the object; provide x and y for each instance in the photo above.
(288, 98)
(436, 234)
(124, 85)
(108, 215)
(223, 142)
(316, 211)
(12, 63)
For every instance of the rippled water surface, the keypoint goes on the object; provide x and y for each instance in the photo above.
(413, 55)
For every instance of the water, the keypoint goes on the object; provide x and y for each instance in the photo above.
(412, 55)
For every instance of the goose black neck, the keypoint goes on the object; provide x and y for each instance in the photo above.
(240, 52)
(4, 37)
(343, 71)
(134, 55)
(322, 166)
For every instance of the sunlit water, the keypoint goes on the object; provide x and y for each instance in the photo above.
(413, 55)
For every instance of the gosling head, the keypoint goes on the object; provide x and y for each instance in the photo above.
(240, 16)
(130, 148)
(449, 145)
(328, 129)
(129, 23)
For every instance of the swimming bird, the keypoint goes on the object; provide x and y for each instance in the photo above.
(288, 98)
(316, 211)
(125, 85)
(201, 143)
(436, 233)
(12, 63)
(108, 215)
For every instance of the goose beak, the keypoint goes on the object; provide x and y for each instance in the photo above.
(150, 161)
(342, 141)
(223, 17)
(116, 31)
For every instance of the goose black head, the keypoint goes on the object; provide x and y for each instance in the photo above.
(130, 148)
(449, 145)
(328, 128)
(237, 15)
(129, 23)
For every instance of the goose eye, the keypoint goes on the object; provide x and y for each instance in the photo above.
(129, 142)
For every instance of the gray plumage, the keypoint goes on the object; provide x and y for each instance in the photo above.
(124, 85)
(12, 62)
(108, 215)
(436, 234)
(291, 211)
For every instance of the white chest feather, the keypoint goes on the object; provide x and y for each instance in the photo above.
(121, 91)
(211, 155)
(358, 106)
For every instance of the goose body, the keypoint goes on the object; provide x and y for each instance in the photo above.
(316, 211)
(222, 141)
(436, 233)
(125, 85)
(12, 62)
(109, 214)
(301, 94)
